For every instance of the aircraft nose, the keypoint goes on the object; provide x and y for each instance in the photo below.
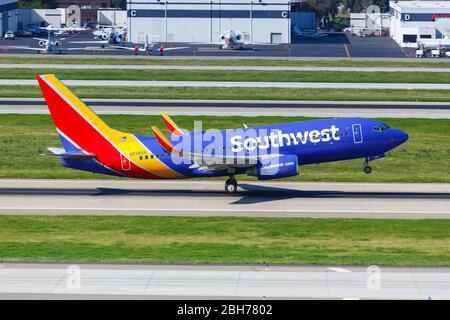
(399, 136)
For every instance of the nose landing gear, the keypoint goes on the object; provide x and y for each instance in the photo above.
(231, 185)
(367, 168)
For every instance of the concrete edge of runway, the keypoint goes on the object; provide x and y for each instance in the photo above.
(224, 68)
(292, 58)
(216, 266)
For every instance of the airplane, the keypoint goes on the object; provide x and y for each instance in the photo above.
(310, 34)
(232, 41)
(67, 29)
(48, 42)
(148, 48)
(89, 144)
(112, 34)
(48, 45)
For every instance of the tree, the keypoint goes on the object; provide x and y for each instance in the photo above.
(120, 4)
(37, 4)
(362, 5)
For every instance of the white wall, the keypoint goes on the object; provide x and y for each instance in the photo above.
(36, 16)
(112, 17)
(420, 23)
(8, 16)
(191, 20)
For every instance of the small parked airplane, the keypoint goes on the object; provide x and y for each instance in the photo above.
(309, 34)
(232, 40)
(267, 152)
(48, 45)
(148, 48)
(67, 29)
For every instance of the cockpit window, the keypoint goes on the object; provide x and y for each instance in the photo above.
(381, 127)
(384, 126)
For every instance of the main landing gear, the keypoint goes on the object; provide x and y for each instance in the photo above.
(367, 168)
(231, 185)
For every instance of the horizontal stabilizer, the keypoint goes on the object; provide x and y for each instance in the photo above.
(79, 154)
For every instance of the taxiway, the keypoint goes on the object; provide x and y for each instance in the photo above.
(100, 281)
(247, 108)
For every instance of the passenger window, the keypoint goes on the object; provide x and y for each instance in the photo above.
(146, 157)
(140, 157)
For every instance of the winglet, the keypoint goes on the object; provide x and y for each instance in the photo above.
(165, 144)
(171, 125)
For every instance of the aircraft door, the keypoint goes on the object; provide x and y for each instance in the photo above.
(357, 133)
(125, 163)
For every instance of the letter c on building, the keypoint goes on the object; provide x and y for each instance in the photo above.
(133, 13)
(284, 14)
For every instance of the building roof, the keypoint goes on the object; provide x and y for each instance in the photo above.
(419, 5)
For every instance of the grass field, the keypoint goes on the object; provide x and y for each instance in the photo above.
(424, 158)
(195, 61)
(225, 240)
(232, 75)
(210, 93)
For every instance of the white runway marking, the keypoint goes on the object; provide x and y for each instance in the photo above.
(339, 269)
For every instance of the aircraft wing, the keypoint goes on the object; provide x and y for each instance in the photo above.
(91, 42)
(207, 161)
(174, 48)
(59, 152)
(28, 48)
(127, 48)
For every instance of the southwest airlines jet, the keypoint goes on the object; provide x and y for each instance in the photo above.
(267, 152)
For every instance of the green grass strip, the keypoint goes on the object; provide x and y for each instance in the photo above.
(211, 93)
(130, 60)
(232, 75)
(225, 240)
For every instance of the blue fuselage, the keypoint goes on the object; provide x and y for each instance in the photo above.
(312, 141)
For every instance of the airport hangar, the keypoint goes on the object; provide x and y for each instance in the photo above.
(204, 21)
(412, 21)
(8, 15)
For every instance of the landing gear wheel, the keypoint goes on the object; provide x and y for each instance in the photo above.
(231, 186)
(367, 169)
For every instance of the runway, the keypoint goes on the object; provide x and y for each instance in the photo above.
(224, 68)
(207, 198)
(236, 84)
(101, 281)
(435, 110)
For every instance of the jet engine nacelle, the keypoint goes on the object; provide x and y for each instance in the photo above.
(56, 43)
(277, 167)
(41, 43)
(104, 36)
